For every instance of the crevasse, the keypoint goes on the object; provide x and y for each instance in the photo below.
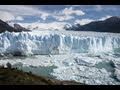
(27, 43)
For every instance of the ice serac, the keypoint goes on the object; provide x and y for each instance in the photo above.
(51, 42)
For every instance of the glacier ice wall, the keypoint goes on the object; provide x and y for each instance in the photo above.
(27, 43)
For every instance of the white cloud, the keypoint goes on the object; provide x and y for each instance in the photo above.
(84, 21)
(20, 18)
(70, 11)
(20, 10)
(104, 18)
(44, 16)
(6, 16)
(67, 14)
(63, 18)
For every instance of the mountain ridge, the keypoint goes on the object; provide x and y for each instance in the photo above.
(6, 27)
(111, 24)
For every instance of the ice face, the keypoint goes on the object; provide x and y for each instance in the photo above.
(57, 43)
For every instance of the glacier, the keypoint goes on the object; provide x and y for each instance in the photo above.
(88, 57)
(41, 43)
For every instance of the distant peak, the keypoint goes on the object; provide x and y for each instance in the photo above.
(113, 18)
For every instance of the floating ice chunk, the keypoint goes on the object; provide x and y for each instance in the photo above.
(83, 74)
(117, 73)
(79, 61)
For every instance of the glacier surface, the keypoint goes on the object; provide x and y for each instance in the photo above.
(37, 43)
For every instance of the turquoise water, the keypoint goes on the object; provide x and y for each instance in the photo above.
(106, 65)
(40, 70)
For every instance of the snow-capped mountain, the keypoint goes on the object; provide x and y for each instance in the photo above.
(45, 26)
(111, 24)
(7, 26)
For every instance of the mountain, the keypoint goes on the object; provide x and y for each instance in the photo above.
(20, 28)
(111, 24)
(6, 27)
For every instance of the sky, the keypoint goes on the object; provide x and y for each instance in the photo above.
(57, 15)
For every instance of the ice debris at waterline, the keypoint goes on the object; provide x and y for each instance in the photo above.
(52, 42)
(82, 68)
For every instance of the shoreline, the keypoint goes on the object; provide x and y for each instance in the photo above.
(13, 76)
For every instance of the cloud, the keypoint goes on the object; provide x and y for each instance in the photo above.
(20, 18)
(21, 10)
(6, 16)
(104, 18)
(84, 21)
(67, 14)
(63, 18)
(44, 16)
(70, 11)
